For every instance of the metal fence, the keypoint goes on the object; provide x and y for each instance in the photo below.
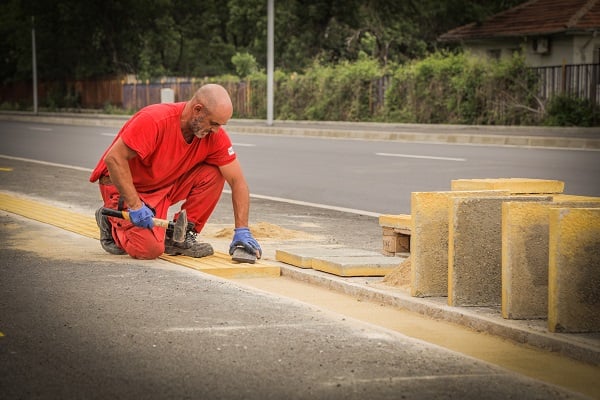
(581, 80)
(576, 80)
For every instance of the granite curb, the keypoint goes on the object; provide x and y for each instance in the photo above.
(581, 347)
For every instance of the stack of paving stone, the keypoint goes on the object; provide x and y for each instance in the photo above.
(518, 244)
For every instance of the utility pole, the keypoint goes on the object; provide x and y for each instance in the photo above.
(34, 67)
(270, 56)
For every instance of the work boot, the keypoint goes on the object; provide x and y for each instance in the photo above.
(106, 239)
(189, 247)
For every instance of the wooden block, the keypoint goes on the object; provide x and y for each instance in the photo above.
(395, 241)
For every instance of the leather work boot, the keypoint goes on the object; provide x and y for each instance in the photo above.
(190, 247)
(106, 240)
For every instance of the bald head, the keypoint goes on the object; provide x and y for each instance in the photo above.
(207, 110)
(216, 100)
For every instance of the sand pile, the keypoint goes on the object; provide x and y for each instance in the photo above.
(400, 276)
(264, 230)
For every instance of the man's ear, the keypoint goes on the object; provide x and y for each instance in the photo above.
(198, 107)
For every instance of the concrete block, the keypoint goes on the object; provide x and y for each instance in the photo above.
(475, 249)
(525, 231)
(357, 266)
(429, 239)
(396, 221)
(574, 270)
(513, 185)
(303, 257)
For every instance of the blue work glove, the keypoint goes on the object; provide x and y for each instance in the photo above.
(243, 237)
(142, 217)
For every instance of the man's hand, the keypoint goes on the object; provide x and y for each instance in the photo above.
(243, 237)
(142, 217)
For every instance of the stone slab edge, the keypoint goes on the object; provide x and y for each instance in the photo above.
(303, 258)
(508, 329)
(356, 266)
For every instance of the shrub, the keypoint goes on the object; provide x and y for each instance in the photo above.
(564, 110)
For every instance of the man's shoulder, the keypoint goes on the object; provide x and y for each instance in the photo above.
(163, 109)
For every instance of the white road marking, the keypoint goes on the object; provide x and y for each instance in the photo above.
(46, 163)
(111, 134)
(244, 144)
(306, 203)
(257, 196)
(418, 156)
(39, 128)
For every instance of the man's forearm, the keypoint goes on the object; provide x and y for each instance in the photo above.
(240, 197)
(120, 175)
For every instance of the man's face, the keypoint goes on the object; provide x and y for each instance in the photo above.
(202, 124)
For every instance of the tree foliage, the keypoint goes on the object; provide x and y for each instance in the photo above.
(151, 38)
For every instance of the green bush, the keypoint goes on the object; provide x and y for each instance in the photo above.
(564, 110)
(342, 92)
(245, 64)
(444, 87)
(462, 89)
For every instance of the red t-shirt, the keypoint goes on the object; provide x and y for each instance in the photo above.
(154, 133)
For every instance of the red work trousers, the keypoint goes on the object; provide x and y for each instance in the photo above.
(200, 188)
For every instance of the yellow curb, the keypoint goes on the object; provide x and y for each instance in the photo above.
(219, 264)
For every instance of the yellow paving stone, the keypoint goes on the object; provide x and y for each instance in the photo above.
(220, 264)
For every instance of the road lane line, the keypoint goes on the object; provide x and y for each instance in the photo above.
(418, 156)
(244, 144)
(258, 196)
(46, 163)
(38, 128)
(309, 204)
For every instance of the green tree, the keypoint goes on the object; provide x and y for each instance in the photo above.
(151, 38)
(245, 64)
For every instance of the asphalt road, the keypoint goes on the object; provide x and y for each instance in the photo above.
(371, 177)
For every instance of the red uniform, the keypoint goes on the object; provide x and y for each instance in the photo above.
(166, 171)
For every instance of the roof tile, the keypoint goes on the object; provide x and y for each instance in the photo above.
(534, 17)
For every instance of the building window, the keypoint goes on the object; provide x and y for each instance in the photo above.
(541, 45)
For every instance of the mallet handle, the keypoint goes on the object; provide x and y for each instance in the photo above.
(109, 212)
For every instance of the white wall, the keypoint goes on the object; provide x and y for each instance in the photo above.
(562, 49)
(586, 49)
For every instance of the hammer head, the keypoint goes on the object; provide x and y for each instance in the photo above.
(180, 226)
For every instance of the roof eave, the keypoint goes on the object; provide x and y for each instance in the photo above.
(507, 35)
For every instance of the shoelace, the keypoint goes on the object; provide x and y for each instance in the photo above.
(190, 237)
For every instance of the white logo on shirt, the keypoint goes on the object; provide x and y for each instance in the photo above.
(230, 151)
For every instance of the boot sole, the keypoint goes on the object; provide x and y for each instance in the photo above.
(202, 250)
